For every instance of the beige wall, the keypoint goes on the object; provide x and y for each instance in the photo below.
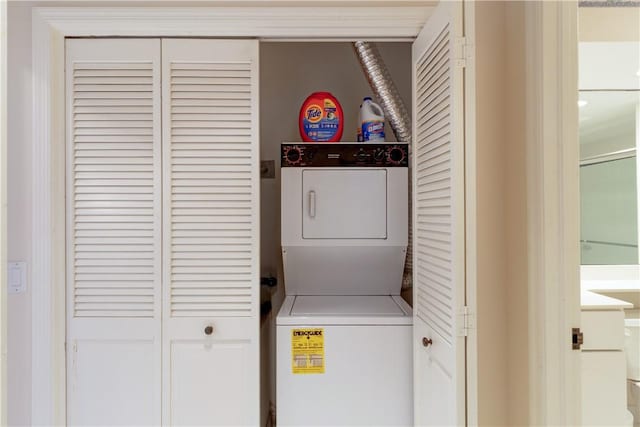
(608, 24)
(490, 186)
(503, 386)
(516, 215)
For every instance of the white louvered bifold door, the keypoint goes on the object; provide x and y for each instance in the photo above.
(438, 218)
(113, 232)
(211, 234)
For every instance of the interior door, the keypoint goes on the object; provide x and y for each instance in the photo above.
(438, 200)
(113, 232)
(211, 232)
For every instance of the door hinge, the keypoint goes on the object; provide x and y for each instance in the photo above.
(466, 322)
(577, 338)
(462, 51)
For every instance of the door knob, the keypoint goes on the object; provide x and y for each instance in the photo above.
(426, 341)
(208, 330)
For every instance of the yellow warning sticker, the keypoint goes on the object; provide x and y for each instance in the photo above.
(307, 351)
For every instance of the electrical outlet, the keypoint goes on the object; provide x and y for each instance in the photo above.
(267, 169)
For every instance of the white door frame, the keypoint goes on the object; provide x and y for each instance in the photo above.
(553, 191)
(370, 20)
(3, 214)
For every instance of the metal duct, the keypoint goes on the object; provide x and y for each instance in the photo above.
(384, 89)
(395, 113)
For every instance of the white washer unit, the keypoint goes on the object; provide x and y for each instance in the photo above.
(343, 332)
(367, 377)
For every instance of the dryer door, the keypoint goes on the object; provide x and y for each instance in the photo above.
(344, 204)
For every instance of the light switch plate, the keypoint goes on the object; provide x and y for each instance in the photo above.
(17, 277)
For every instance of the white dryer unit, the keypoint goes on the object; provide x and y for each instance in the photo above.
(343, 332)
(344, 218)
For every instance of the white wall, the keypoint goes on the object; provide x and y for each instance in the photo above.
(19, 211)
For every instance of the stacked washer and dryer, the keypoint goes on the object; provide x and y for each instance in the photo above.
(343, 332)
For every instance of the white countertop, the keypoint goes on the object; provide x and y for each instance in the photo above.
(618, 282)
(625, 290)
(592, 301)
(611, 285)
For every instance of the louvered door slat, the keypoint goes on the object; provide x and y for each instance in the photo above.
(96, 129)
(431, 163)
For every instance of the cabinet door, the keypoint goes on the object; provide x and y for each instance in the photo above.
(438, 221)
(211, 244)
(604, 388)
(113, 232)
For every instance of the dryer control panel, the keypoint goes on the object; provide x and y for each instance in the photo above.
(344, 154)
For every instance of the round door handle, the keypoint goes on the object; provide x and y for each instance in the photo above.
(208, 330)
(426, 341)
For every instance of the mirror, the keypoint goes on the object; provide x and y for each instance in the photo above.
(609, 130)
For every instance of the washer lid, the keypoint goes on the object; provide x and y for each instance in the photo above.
(330, 305)
(352, 310)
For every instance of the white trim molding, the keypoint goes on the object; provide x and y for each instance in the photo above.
(389, 22)
(3, 213)
(553, 211)
(471, 210)
(366, 20)
(48, 243)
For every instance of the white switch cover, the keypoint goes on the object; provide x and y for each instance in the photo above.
(17, 277)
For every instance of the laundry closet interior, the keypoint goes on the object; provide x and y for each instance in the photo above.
(174, 214)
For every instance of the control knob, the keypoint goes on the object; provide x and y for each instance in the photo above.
(293, 155)
(379, 154)
(361, 156)
(396, 155)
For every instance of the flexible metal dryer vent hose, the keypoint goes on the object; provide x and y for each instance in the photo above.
(395, 113)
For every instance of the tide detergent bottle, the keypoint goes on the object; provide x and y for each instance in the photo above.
(321, 118)
(371, 121)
